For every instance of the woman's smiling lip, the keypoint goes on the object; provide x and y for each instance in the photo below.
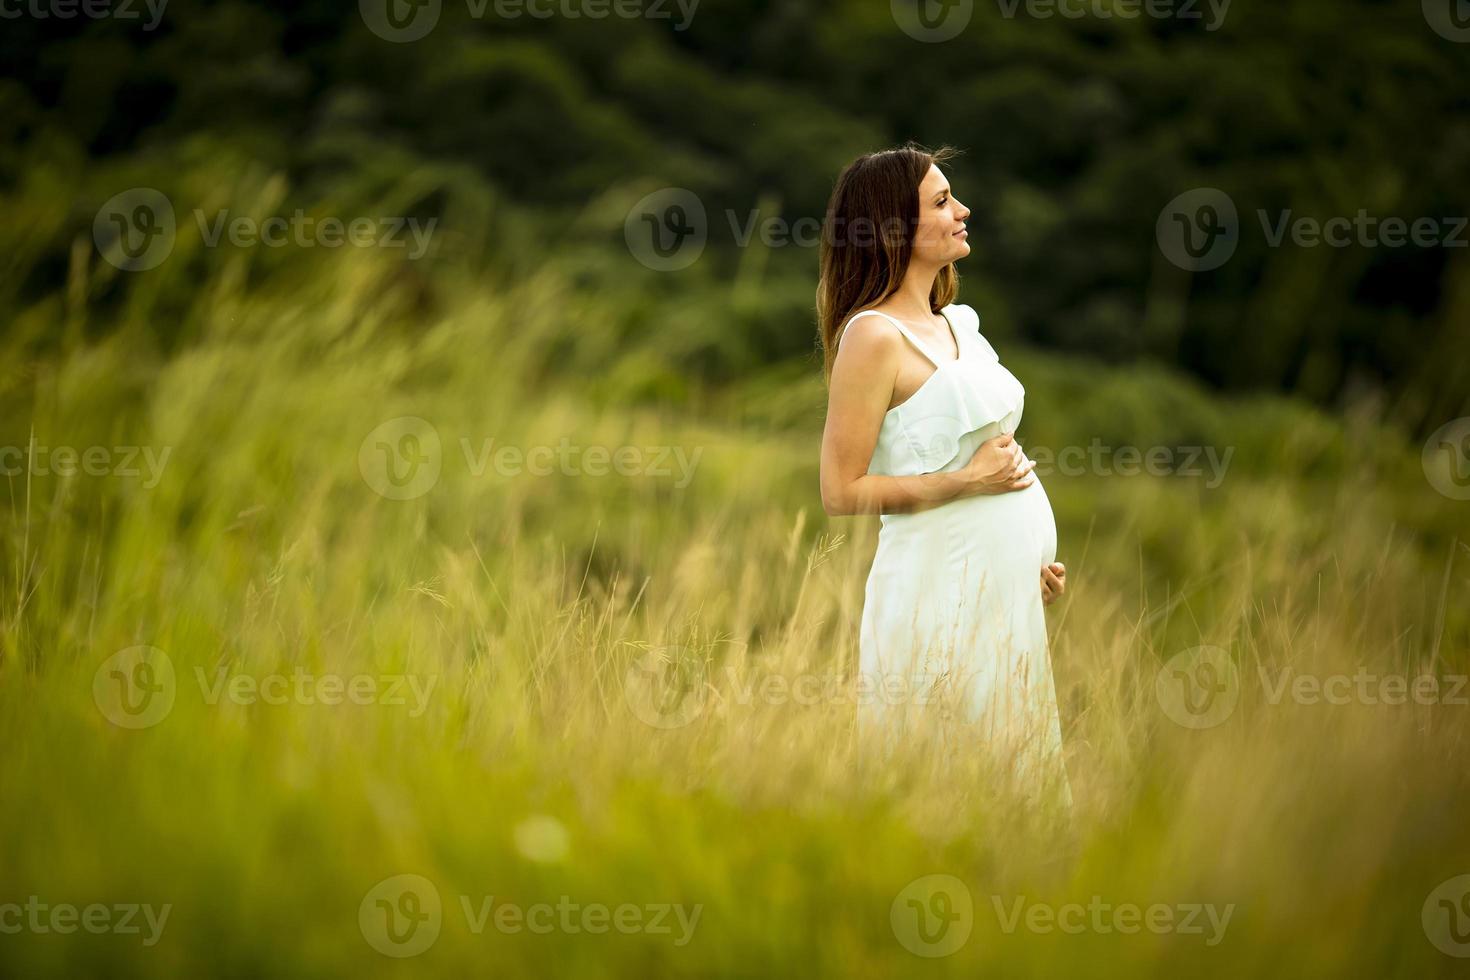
(962, 231)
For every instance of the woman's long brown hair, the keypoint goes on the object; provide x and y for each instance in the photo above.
(868, 239)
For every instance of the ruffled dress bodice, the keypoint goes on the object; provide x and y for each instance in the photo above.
(961, 405)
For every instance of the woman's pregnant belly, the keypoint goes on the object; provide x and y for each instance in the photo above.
(1012, 532)
(963, 576)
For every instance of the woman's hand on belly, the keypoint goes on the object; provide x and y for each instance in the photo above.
(1053, 582)
(999, 466)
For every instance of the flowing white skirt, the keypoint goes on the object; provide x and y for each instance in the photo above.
(953, 632)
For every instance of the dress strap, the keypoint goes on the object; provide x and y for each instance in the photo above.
(901, 329)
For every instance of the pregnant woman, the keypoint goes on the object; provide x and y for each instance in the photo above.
(920, 430)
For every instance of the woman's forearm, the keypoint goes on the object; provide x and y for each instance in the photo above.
(879, 494)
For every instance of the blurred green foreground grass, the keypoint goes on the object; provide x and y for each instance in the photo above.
(526, 607)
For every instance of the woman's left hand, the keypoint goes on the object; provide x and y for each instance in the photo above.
(1053, 582)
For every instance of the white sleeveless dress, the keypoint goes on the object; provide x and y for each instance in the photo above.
(953, 622)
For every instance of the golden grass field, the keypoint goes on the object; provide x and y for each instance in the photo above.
(497, 625)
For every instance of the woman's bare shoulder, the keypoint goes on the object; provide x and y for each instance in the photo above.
(868, 336)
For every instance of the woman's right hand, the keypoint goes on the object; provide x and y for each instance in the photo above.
(999, 466)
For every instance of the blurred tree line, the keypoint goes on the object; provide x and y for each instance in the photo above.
(1076, 133)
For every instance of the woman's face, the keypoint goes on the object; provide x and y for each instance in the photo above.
(940, 237)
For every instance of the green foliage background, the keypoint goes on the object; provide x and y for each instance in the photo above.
(1076, 133)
